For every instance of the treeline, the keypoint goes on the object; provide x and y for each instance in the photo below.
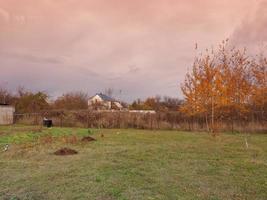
(226, 84)
(157, 103)
(26, 101)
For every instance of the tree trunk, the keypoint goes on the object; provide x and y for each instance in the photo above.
(207, 122)
(212, 114)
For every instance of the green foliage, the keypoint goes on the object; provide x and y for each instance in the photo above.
(90, 132)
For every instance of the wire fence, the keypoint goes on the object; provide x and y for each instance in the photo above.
(125, 119)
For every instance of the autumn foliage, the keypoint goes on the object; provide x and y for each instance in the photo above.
(226, 84)
(72, 101)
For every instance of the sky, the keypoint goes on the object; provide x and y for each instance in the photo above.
(139, 48)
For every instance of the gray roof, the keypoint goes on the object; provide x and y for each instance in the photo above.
(105, 97)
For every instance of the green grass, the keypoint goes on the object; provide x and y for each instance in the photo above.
(24, 134)
(132, 164)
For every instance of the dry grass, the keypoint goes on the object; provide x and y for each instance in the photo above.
(72, 139)
(46, 139)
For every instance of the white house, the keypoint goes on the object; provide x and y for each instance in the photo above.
(102, 101)
(143, 111)
(6, 114)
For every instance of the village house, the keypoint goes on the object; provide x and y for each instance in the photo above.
(103, 102)
(6, 114)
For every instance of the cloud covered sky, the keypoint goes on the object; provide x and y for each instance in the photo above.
(142, 48)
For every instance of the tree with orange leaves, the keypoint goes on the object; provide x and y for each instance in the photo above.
(259, 85)
(200, 89)
(219, 85)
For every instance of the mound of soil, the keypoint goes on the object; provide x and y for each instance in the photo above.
(65, 152)
(88, 139)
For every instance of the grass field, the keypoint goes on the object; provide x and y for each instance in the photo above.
(131, 164)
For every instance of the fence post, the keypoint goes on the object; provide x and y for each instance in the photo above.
(61, 119)
(87, 118)
(151, 122)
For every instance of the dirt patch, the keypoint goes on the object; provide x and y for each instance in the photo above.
(88, 139)
(65, 152)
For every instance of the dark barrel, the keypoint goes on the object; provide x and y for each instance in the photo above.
(48, 123)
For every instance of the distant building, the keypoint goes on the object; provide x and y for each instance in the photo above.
(6, 114)
(143, 111)
(103, 102)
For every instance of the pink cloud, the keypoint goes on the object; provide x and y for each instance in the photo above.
(92, 44)
(252, 32)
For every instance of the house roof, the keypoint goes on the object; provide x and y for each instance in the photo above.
(105, 97)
